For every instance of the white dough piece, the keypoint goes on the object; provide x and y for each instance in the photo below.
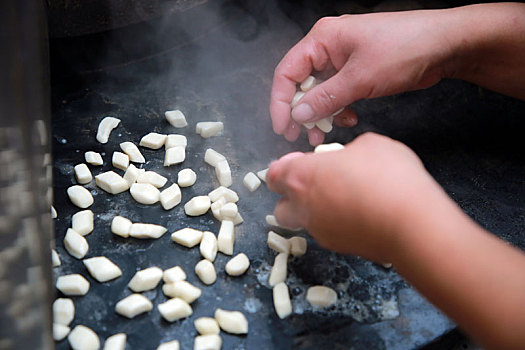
(233, 322)
(278, 243)
(281, 300)
(60, 331)
(132, 174)
(206, 325)
(328, 147)
(298, 246)
(186, 177)
(321, 296)
(133, 305)
(173, 274)
(205, 270)
(271, 220)
(175, 309)
(73, 284)
(93, 158)
(171, 345)
(238, 219)
(102, 269)
(296, 98)
(309, 126)
(279, 269)
(209, 129)
(120, 160)
(138, 230)
(175, 140)
(53, 213)
(63, 311)
(170, 197)
(83, 338)
(226, 193)
(208, 246)
(213, 157)
(207, 342)
(82, 222)
(183, 290)
(187, 237)
(228, 211)
(75, 244)
(116, 342)
(80, 196)
(251, 181)
(111, 182)
(83, 174)
(387, 265)
(262, 174)
(153, 140)
(308, 84)
(237, 265)
(198, 205)
(133, 152)
(226, 237)
(145, 193)
(216, 208)
(176, 118)
(121, 226)
(146, 279)
(151, 177)
(224, 173)
(325, 124)
(55, 259)
(174, 155)
(105, 127)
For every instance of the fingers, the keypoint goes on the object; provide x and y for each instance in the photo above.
(276, 176)
(287, 214)
(346, 118)
(293, 131)
(315, 136)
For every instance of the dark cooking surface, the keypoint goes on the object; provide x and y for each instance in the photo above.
(216, 63)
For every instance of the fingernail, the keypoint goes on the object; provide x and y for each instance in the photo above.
(303, 113)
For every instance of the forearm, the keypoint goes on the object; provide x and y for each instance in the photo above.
(471, 275)
(488, 46)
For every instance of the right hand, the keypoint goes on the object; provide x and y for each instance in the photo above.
(372, 55)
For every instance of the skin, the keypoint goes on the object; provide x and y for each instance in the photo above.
(374, 198)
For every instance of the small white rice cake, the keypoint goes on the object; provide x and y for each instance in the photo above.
(281, 300)
(83, 174)
(121, 226)
(198, 205)
(233, 322)
(216, 208)
(272, 221)
(170, 197)
(328, 147)
(296, 98)
(153, 140)
(111, 182)
(75, 244)
(116, 342)
(63, 311)
(138, 230)
(279, 269)
(226, 193)
(251, 181)
(174, 155)
(93, 158)
(55, 259)
(173, 274)
(209, 129)
(237, 265)
(83, 338)
(308, 84)
(170, 345)
(133, 152)
(60, 331)
(206, 325)
(325, 124)
(120, 160)
(176, 118)
(309, 125)
(105, 127)
(102, 269)
(298, 246)
(175, 309)
(53, 212)
(151, 177)
(228, 211)
(207, 342)
(133, 305)
(145, 193)
(132, 174)
(205, 270)
(208, 246)
(278, 243)
(224, 173)
(183, 290)
(146, 279)
(175, 140)
(226, 237)
(73, 284)
(186, 177)
(80, 196)
(238, 219)
(321, 296)
(188, 237)
(262, 174)
(82, 222)
(213, 157)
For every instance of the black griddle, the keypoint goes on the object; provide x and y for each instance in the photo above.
(215, 62)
